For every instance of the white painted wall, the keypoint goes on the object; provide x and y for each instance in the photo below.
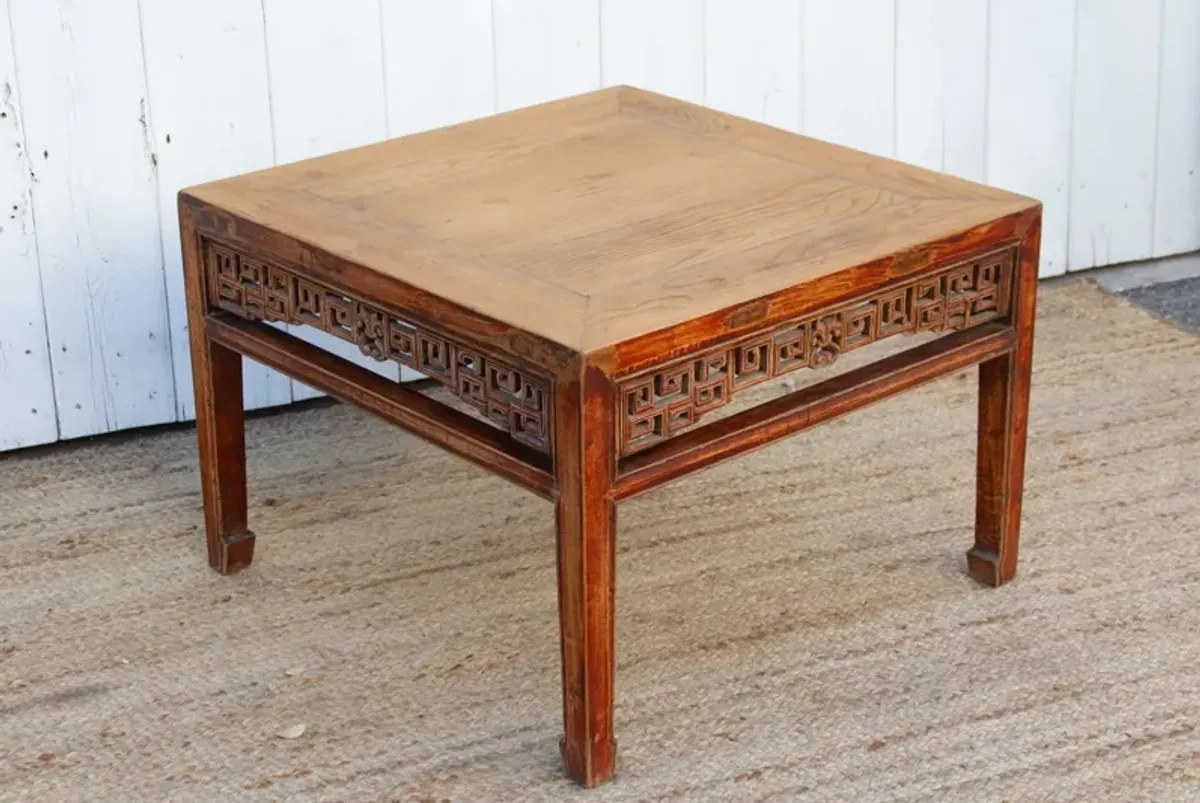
(108, 107)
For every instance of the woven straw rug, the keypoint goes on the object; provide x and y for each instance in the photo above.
(793, 626)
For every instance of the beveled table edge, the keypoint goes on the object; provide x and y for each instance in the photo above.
(627, 356)
(665, 345)
(322, 266)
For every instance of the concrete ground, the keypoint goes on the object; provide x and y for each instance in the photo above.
(1169, 288)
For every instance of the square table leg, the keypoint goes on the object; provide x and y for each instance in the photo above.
(220, 427)
(1003, 422)
(586, 518)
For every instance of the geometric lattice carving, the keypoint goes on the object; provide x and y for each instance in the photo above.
(512, 399)
(665, 400)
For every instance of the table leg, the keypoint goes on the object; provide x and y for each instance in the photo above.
(217, 379)
(586, 517)
(220, 429)
(1003, 421)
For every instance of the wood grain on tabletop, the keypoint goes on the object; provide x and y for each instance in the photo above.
(600, 218)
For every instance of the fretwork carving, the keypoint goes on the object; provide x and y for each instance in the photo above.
(511, 398)
(663, 401)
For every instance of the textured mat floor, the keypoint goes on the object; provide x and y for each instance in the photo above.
(1177, 301)
(795, 625)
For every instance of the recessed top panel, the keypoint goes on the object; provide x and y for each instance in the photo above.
(598, 218)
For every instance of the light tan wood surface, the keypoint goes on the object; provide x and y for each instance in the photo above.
(596, 219)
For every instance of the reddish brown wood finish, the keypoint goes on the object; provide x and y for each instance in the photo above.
(807, 407)
(465, 436)
(217, 376)
(659, 404)
(594, 261)
(1003, 422)
(313, 262)
(810, 298)
(587, 520)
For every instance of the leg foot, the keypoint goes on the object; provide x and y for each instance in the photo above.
(234, 553)
(574, 760)
(984, 565)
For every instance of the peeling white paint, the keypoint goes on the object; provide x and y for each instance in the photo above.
(26, 385)
(80, 80)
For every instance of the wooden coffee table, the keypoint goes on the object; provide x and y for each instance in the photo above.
(594, 277)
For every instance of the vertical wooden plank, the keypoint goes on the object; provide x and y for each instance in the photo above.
(83, 97)
(1177, 197)
(438, 59)
(545, 49)
(941, 85)
(327, 94)
(206, 72)
(1030, 65)
(656, 46)
(752, 54)
(1113, 133)
(27, 400)
(849, 73)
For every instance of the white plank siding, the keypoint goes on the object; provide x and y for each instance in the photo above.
(109, 107)
(657, 46)
(1113, 129)
(206, 72)
(439, 62)
(941, 85)
(849, 74)
(1031, 64)
(545, 49)
(753, 60)
(1177, 164)
(95, 202)
(26, 389)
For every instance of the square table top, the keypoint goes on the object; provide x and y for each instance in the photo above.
(600, 218)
